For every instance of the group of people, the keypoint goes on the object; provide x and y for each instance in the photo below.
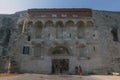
(60, 69)
(57, 68)
(78, 70)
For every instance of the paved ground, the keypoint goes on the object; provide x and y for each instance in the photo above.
(58, 77)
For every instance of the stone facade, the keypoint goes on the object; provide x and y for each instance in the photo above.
(58, 40)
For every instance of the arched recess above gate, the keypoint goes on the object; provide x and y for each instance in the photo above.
(59, 50)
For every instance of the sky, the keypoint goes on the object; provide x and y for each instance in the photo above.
(12, 6)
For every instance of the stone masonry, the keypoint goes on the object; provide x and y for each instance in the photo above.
(58, 40)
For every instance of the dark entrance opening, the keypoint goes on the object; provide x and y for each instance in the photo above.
(60, 66)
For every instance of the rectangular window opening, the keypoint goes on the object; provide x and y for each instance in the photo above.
(26, 50)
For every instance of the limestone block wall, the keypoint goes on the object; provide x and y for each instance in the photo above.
(99, 41)
(105, 22)
(49, 34)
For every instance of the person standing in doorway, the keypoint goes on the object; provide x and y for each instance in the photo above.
(80, 70)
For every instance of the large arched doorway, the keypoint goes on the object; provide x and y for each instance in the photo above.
(60, 65)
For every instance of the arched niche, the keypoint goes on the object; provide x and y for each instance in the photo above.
(49, 23)
(80, 24)
(59, 29)
(59, 50)
(59, 24)
(90, 24)
(80, 29)
(38, 26)
(69, 23)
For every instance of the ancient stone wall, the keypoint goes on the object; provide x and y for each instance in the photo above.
(7, 28)
(91, 37)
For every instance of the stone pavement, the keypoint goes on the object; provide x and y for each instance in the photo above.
(59, 77)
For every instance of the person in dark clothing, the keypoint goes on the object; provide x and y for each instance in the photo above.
(53, 69)
(80, 70)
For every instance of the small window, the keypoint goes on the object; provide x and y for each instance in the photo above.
(93, 35)
(94, 48)
(26, 50)
(29, 38)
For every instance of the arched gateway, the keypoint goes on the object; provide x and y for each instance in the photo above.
(60, 60)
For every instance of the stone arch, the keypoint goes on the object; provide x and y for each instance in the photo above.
(59, 50)
(80, 24)
(49, 27)
(90, 24)
(49, 23)
(59, 24)
(59, 29)
(38, 26)
(80, 29)
(69, 23)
